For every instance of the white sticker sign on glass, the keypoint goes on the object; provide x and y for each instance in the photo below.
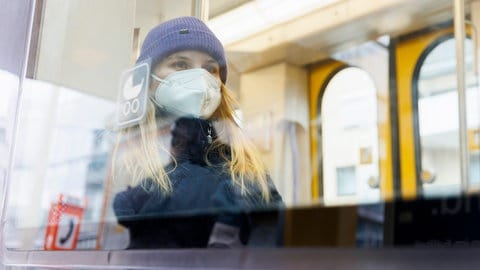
(132, 96)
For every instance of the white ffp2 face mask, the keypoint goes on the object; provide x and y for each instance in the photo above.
(194, 92)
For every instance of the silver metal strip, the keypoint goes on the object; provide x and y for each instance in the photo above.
(475, 15)
(426, 258)
(459, 25)
(200, 9)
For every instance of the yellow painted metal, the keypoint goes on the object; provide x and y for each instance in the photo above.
(407, 56)
(474, 140)
(318, 77)
(385, 145)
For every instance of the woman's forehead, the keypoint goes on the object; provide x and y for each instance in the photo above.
(191, 54)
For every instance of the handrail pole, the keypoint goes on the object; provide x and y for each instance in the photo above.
(200, 9)
(459, 26)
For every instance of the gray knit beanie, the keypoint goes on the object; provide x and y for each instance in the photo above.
(179, 34)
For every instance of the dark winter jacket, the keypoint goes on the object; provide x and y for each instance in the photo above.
(201, 196)
(185, 218)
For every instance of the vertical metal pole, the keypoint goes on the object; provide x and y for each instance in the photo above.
(475, 23)
(200, 9)
(459, 24)
(295, 160)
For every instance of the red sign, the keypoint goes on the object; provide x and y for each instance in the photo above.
(64, 221)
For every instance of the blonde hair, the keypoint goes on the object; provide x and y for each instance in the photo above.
(142, 159)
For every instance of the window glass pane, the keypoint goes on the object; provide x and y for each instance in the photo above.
(7, 106)
(58, 186)
(8, 102)
(350, 138)
(115, 151)
(438, 119)
(136, 132)
(346, 181)
(62, 148)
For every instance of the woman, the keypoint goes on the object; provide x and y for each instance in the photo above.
(216, 175)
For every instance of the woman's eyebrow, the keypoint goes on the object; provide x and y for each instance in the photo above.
(178, 57)
(211, 61)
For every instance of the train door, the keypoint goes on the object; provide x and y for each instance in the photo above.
(351, 140)
(428, 114)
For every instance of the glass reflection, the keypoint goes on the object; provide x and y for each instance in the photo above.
(350, 139)
(8, 100)
(193, 174)
(188, 173)
(62, 149)
(437, 99)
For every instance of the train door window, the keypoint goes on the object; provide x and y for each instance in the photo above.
(346, 181)
(350, 138)
(438, 119)
(64, 139)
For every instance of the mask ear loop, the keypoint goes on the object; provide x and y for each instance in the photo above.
(158, 79)
(152, 94)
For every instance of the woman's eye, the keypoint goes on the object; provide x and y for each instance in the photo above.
(211, 69)
(180, 65)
